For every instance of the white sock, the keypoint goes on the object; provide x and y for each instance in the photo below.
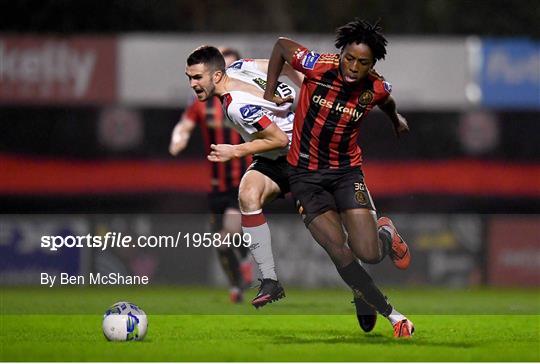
(254, 223)
(395, 317)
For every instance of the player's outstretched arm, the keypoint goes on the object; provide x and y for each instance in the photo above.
(296, 77)
(269, 139)
(398, 121)
(282, 52)
(180, 135)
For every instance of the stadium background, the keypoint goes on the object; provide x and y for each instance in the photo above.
(89, 95)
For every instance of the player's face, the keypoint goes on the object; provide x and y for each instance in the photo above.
(355, 62)
(201, 80)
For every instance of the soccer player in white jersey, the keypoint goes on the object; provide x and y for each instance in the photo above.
(266, 129)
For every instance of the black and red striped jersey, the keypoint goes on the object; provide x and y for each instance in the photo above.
(217, 129)
(329, 113)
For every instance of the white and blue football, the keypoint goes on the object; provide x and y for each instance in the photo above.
(124, 321)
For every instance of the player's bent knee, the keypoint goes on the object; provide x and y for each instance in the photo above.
(249, 199)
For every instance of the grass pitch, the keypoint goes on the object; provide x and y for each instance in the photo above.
(196, 324)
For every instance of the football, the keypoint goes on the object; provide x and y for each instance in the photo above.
(124, 321)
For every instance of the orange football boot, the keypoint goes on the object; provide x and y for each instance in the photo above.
(399, 253)
(404, 329)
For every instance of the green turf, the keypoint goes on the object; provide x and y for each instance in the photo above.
(195, 324)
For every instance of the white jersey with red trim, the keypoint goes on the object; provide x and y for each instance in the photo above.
(250, 113)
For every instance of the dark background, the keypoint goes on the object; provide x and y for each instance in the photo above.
(436, 17)
(47, 131)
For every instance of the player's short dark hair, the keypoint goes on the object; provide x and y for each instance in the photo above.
(360, 31)
(231, 52)
(209, 56)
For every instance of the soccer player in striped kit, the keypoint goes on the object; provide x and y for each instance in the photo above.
(325, 175)
(223, 198)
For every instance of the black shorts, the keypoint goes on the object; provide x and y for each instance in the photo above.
(276, 170)
(219, 202)
(316, 192)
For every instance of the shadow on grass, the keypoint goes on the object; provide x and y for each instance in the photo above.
(346, 337)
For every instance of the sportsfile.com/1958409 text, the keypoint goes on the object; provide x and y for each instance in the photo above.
(120, 240)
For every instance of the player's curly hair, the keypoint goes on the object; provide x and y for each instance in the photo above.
(209, 56)
(360, 31)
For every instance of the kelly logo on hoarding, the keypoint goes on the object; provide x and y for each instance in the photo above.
(47, 64)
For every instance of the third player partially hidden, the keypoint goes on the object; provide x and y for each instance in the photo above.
(325, 175)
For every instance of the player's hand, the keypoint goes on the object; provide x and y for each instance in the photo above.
(179, 141)
(280, 101)
(221, 153)
(401, 125)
